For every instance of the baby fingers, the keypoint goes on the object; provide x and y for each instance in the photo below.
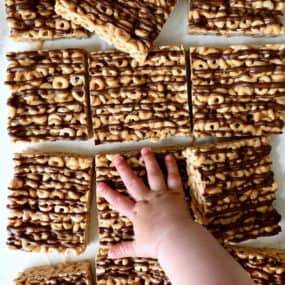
(174, 181)
(120, 202)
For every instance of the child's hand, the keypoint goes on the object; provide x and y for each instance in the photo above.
(186, 251)
(156, 213)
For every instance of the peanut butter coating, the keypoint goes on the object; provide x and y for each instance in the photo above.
(237, 90)
(71, 273)
(265, 265)
(48, 99)
(131, 101)
(233, 188)
(49, 202)
(131, 26)
(225, 17)
(37, 20)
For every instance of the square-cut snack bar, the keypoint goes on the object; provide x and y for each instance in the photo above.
(238, 90)
(114, 228)
(131, 26)
(256, 18)
(232, 188)
(49, 202)
(265, 265)
(49, 99)
(131, 101)
(37, 20)
(128, 270)
(72, 273)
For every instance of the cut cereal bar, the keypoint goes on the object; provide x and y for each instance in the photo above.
(265, 265)
(238, 90)
(49, 202)
(37, 20)
(256, 17)
(49, 99)
(128, 270)
(114, 227)
(233, 188)
(131, 26)
(132, 101)
(71, 273)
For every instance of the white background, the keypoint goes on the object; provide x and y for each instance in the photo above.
(174, 32)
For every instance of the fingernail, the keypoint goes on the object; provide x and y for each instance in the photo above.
(169, 157)
(100, 186)
(117, 159)
(146, 150)
(111, 254)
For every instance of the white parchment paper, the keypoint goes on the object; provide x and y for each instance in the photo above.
(174, 32)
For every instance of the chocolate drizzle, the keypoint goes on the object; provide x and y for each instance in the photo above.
(49, 202)
(237, 91)
(229, 17)
(233, 188)
(37, 20)
(131, 98)
(71, 273)
(265, 265)
(136, 22)
(48, 100)
(129, 270)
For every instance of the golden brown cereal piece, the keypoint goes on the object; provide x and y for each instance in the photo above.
(265, 265)
(225, 17)
(233, 187)
(72, 273)
(131, 101)
(238, 90)
(114, 228)
(131, 26)
(49, 99)
(49, 202)
(37, 20)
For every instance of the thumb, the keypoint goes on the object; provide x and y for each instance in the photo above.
(122, 250)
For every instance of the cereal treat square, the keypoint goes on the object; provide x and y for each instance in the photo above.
(233, 188)
(114, 227)
(49, 202)
(49, 99)
(128, 270)
(131, 101)
(227, 17)
(72, 273)
(265, 265)
(131, 26)
(238, 90)
(37, 20)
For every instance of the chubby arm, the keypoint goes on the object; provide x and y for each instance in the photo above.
(163, 228)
